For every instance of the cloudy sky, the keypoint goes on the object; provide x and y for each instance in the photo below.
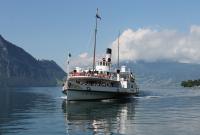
(150, 30)
(166, 44)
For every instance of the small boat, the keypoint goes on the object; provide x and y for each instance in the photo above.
(102, 82)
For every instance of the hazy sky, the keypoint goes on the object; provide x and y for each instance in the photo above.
(49, 29)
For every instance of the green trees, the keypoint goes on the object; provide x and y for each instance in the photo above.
(190, 83)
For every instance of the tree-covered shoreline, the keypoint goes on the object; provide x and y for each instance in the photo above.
(190, 83)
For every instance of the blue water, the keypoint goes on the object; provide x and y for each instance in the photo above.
(44, 111)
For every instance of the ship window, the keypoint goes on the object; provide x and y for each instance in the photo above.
(100, 63)
(103, 63)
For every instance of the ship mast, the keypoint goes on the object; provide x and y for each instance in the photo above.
(118, 51)
(95, 39)
(68, 64)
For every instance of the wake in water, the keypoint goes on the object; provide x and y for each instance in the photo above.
(63, 97)
(111, 100)
(146, 97)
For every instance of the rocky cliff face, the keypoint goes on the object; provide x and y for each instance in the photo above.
(19, 68)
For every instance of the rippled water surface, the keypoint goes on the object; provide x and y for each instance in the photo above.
(44, 110)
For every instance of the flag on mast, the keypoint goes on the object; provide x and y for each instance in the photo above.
(97, 15)
(69, 56)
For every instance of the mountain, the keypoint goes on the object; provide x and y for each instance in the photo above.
(163, 73)
(19, 68)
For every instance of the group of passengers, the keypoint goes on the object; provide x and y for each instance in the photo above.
(93, 83)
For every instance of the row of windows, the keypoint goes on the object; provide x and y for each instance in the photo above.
(104, 63)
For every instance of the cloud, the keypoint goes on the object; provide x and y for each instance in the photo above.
(82, 60)
(153, 45)
(83, 55)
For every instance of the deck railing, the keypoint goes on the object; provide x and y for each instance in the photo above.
(92, 75)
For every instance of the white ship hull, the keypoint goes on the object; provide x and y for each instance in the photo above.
(94, 95)
(88, 95)
(77, 91)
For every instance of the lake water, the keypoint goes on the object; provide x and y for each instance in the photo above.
(43, 110)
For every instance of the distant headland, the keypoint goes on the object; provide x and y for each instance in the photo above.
(19, 68)
(191, 83)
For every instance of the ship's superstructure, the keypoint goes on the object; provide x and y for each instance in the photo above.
(102, 83)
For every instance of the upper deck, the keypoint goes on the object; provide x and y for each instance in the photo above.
(109, 76)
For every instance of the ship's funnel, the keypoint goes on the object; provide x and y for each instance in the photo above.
(108, 54)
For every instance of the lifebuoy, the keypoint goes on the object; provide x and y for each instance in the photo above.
(88, 88)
